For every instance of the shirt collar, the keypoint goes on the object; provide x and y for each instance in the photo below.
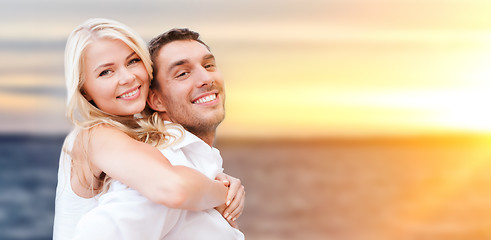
(186, 139)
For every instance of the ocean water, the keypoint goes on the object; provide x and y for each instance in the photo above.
(335, 189)
(367, 189)
(28, 177)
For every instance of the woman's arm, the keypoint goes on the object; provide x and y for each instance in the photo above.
(144, 168)
(234, 206)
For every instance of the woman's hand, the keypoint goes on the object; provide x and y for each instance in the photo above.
(234, 205)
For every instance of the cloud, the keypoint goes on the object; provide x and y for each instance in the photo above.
(29, 45)
(35, 91)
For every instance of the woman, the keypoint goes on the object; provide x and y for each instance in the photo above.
(107, 70)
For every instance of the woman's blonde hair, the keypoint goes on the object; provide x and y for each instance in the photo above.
(86, 115)
(79, 110)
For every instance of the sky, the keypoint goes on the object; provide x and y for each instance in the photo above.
(292, 68)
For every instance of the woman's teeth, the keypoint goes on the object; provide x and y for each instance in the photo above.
(208, 98)
(129, 94)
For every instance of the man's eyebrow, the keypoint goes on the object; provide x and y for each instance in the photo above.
(184, 61)
(209, 56)
(177, 63)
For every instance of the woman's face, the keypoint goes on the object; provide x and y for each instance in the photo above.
(116, 79)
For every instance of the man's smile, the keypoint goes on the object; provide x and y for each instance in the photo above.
(206, 98)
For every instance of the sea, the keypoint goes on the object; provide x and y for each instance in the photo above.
(343, 189)
(28, 177)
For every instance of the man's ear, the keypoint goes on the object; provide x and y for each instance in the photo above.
(155, 101)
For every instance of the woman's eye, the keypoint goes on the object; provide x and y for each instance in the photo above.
(133, 61)
(104, 73)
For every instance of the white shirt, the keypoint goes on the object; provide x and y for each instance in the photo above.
(123, 213)
(69, 207)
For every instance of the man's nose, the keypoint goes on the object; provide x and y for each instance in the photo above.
(204, 77)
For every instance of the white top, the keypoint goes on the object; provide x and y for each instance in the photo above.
(69, 207)
(123, 213)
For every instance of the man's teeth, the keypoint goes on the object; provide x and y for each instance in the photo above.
(129, 94)
(208, 98)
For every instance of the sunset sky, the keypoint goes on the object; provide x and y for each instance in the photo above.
(292, 68)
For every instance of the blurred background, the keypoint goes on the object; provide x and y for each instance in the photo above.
(346, 119)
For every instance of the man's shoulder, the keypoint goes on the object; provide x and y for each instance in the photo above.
(183, 140)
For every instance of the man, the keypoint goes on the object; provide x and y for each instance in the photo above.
(187, 89)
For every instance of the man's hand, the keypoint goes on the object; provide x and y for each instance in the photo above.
(234, 206)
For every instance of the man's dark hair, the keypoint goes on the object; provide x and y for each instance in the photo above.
(172, 35)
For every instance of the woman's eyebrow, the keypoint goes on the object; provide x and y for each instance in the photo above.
(103, 66)
(131, 55)
(111, 63)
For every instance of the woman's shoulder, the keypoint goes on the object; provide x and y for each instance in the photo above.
(105, 133)
(103, 130)
(70, 139)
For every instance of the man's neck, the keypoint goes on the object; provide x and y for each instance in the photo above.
(208, 138)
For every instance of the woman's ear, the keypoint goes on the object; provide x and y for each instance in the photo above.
(155, 101)
(86, 96)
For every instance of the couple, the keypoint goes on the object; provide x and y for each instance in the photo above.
(113, 182)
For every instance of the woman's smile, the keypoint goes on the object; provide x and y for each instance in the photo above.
(130, 94)
(116, 79)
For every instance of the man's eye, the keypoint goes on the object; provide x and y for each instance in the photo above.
(182, 74)
(104, 73)
(209, 66)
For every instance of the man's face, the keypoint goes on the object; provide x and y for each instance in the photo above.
(191, 87)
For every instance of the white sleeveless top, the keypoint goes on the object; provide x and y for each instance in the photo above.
(69, 207)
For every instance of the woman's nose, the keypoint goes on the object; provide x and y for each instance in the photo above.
(126, 76)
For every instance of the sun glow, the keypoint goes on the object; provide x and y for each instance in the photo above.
(358, 88)
(420, 67)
